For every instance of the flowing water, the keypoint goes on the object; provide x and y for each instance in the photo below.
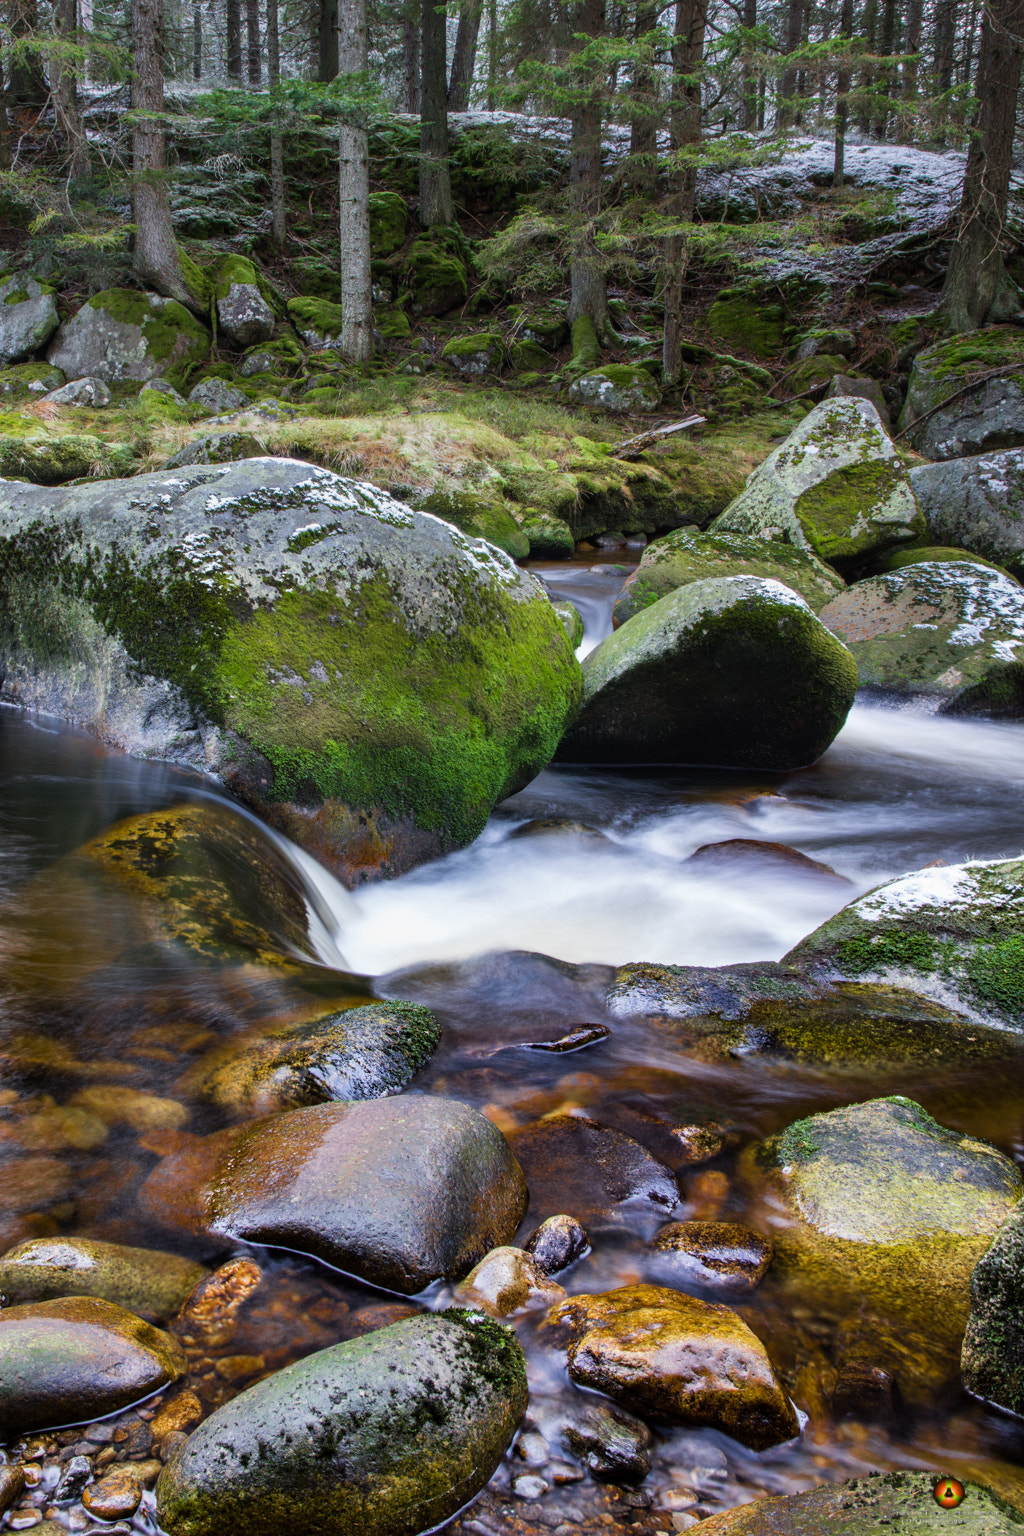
(509, 942)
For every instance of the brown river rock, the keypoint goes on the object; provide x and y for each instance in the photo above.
(399, 1192)
(714, 1254)
(669, 1356)
(574, 1165)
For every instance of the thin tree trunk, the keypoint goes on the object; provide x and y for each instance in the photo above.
(64, 85)
(886, 43)
(786, 109)
(354, 198)
(492, 54)
(197, 40)
(943, 42)
(156, 249)
(436, 205)
(762, 91)
(971, 33)
(843, 80)
(254, 73)
(748, 93)
(464, 57)
(643, 128)
(411, 58)
(977, 290)
(588, 280)
(327, 66)
(233, 20)
(912, 46)
(27, 84)
(869, 30)
(684, 130)
(277, 200)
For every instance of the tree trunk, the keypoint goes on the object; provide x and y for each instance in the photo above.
(684, 130)
(748, 93)
(233, 27)
(587, 277)
(869, 29)
(64, 85)
(977, 290)
(912, 46)
(327, 66)
(254, 73)
(843, 80)
(156, 250)
(464, 59)
(411, 59)
(492, 54)
(644, 104)
(277, 200)
(197, 40)
(786, 109)
(27, 83)
(436, 205)
(886, 43)
(354, 201)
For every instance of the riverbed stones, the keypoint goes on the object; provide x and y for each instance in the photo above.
(977, 502)
(373, 683)
(28, 316)
(992, 1360)
(359, 1053)
(949, 630)
(735, 671)
(612, 1444)
(877, 1205)
(686, 555)
(836, 486)
(400, 1192)
(116, 1496)
(981, 376)
(139, 1279)
(387, 1435)
(903, 1501)
(76, 1359)
(123, 333)
(671, 1356)
(713, 1255)
(557, 1243)
(505, 1282)
(953, 934)
(575, 1166)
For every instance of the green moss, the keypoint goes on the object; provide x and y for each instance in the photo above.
(480, 518)
(19, 296)
(996, 975)
(996, 347)
(317, 279)
(586, 349)
(196, 280)
(393, 323)
(896, 559)
(815, 372)
(435, 274)
(898, 949)
(165, 325)
(833, 511)
(317, 315)
(746, 323)
(389, 221)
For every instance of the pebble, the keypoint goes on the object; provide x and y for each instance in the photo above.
(76, 1474)
(12, 1485)
(529, 1486)
(115, 1497)
(181, 1413)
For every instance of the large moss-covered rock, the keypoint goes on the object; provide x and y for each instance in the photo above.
(617, 387)
(216, 448)
(243, 313)
(373, 680)
(746, 323)
(876, 1205)
(955, 934)
(988, 417)
(76, 1359)
(124, 334)
(685, 555)
(992, 1359)
(29, 381)
(475, 356)
(28, 316)
(550, 538)
(389, 220)
(387, 1435)
(735, 671)
(835, 486)
(866, 1506)
(669, 1356)
(482, 517)
(45, 455)
(400, 1192)
(942, 629)
(977, 502)
(925, 554)
(138, 1279)
(435, 273)
(317, 321)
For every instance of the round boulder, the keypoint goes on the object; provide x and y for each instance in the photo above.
(138, 1279)
(866, 1506)
(617, 387)
(716, 1255)
(978, 502)
(124, 334)
(28, 316)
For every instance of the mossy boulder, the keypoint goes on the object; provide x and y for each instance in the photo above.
(28, 316)
(930, 554)
(125, 334)
(481, 518)
(46, 456)
(393, 323)
(836, 486)
(389, 222)
(373, 683)
(814, 374)
(944, 629)
(750, 325)
(528, 358)
(835, 343)
(860, 387)
(218, 395)
(317, 321)
(316, 279)
(876, 1205)
(955, 934)
(685, 556)
(28, 381)
(992, 1359)
(572, 619)
(865, 1506)
(475, 356)
(217, 448)
(90, 394)
(550, 538)
(435, 274)
(281, 357)
(990, 416)
(387, 1435)
(735, 671)
(139, 1279)
(617, 387)
(977, 502)
(547, 328)
(158, 400)
(243, 314)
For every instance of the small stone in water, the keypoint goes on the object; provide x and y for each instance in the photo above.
(575, 1040)
(73, 1479)
(696, 1143)
(380, 1314)
(715, 1254)
(610, 1442)
(557, 1243)
(142, 1112)
(533, 1448)
(12, 1486)
(210, 1315)
(115, 1497)
(171, 1444)
(707, 1193)
(529, 1486)
(182, 1412)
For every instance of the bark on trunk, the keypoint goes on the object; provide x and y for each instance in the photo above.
(156, 249)
(327, 66)
(588, 280)
(197, 40)
(411, 58)
(748, 96)
(912, 46)
(869, 29)
(464, 58)
(643, 130)
(684, 129)
(233, 28)
(843, 80)
(252, 42)
(977, 290)
(436, 205)
(786, 111)
(492, 54)
(27, 83)
(277, 202)
(354, 190)
(886, 45)
(64, 85)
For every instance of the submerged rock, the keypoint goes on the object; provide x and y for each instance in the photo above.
(670, 1356)
(685, 555)
(867, 1505)
(77, 1359)
(575, 1166)
(716, 1255)
(988, 416)
(400, 1192)
(124, 334)
(387, 1435)
(836, 486)
(138, 1279)
(735, 672)
(611, 1443)
(977, 502)
(949, 630)
(373, 683)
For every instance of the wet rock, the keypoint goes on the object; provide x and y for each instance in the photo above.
(557, 826)
(988, 417)
(556, 1243)
(572, 619)
(610, 1443)
(73, 1479)
(12, 1486)
(69, 1361)
(876, 1204)
(867, 1505)
(342, 681)
(550, 538)
(735, 671)
(948, 630)
(507, 1281)
(218, 395)
(400, 1192)
(836, 486)
(33, 1182)
(138, 1279)
(670, 1356)
(209, 1318)
(686, 555)
(388, 1435)
(992, 1361)
(954, 934)
(744, 855)
(697, 1143)
(38, 1124)
(361, 1053)
(28, 316)
(177, 1416)
(380, 1315)
(217, 448)
(575, 1166)
(122, 333)
(92, 393)
(977, 502)
(114, 1497)
(718, 1255)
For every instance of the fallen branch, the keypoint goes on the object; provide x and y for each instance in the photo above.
(633, 447)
